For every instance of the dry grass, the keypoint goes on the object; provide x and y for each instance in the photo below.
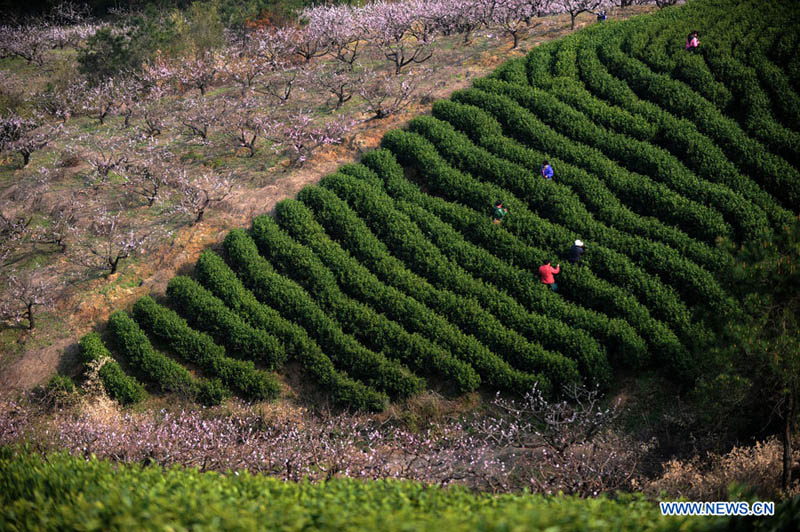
(757, 467)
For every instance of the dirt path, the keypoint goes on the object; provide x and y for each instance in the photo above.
(90, 306)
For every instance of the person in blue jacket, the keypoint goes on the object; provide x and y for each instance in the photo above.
(547, 170)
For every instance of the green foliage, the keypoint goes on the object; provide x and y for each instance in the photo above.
(107, 54)
(120, 387)
(775, 174)
(60, 384)
(353, 277)
(296, 304)
(204, 28)
(509, 251)
(214, 392)
(413, 150)
(200, 349)
(405, 240)
(370, 328)
(218, 277)
(164, 372)
(38, 493)
(209, 313)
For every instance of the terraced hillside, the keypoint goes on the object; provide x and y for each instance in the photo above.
(389, 276)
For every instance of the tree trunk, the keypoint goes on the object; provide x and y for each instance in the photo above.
(114, 263)
(516, 39)
(786, 477)
(26, 158)
(31, 323)
(573, 17)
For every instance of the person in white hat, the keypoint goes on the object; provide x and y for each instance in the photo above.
(576, 252)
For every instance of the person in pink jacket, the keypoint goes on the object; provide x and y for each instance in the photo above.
(692, 42)
(546, 272)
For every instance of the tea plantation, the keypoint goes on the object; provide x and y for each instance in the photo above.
(70, 493)
(390, 277)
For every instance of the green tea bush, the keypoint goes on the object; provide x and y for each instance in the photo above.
(296, 304)
(592, 190)
(415, 151)
(363, 286)
(207, 312)
(218, 277)
(549, 198)
(775, 174)
(409, 244)
(681, 137)
(39, 493)
(371, 327)
(121, 387)
(165, 373)
(200, 349)
(418, 309)
(470, 224)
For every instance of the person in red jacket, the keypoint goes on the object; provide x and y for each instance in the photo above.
(547, 272)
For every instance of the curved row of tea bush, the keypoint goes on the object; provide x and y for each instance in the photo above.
(164, 372)
(407, 242)
(489, 241)
(371, 328)
(297, 305)
(414, 314)
(580, 283)
(636, 156)
(497, 342)
(207, 312)
(548, 198)
(341, 222)
(721, 69)
(775, 174)
(414, 151)
(678, 135)
(198, 348)
(119, 386)
(637, 191)
(484, 130)
(221, 280)
(656, 130)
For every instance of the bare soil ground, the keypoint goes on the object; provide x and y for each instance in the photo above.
(28, 359)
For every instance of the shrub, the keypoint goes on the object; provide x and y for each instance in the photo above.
(615, 333)
(132, 342)
(479, 329)
(218, 277)
(361, 285)
(373, 330)
(415, 152)
(213, 392)
(120, 387)
(680, 136)
(207, 312)
(199, 348)
(407, 243)
(106, 55)
(775, 174)
(296, 304)
(593, 190)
